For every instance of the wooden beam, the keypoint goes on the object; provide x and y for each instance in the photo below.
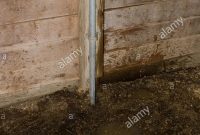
(84, 42)
(100, 40)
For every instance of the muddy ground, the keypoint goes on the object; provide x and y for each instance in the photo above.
(173, 100)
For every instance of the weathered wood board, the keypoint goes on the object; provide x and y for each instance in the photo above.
(16, 11)
(35, 35)
(132, 40)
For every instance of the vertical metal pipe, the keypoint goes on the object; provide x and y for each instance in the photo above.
(92, 49)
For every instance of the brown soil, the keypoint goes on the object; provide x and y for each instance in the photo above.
(173, 100)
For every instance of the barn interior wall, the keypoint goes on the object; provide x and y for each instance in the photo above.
(132, 41)
(35, 35)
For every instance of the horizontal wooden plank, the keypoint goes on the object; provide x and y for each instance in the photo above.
(152, 53)
(39, 31)
(33, 91)
(36, 54)
(21, 79)
(182, 62)
(112, 4)
(150, 13)
(138, 36)
(132, 72)
(14, 11)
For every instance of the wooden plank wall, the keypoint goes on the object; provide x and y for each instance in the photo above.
(131, 35)
(35, 35)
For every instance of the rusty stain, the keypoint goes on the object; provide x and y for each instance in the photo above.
(156, 58)
(11, 72)
(130, 30)
(155, 37)
(116, 49)
(60, 75)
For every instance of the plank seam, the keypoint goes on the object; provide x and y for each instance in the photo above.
(40, 19)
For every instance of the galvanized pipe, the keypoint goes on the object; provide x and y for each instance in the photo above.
(92, 49)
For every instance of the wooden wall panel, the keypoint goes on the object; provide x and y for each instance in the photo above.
(35, 35)
(39, 31)
(138, 36)
(36, 54)
(132, 28)
(151, 53)
(15, 11)
(36, 90)
(150, 13)
(24, 78)
(110, 4)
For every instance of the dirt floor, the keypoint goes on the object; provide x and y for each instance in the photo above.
(173, 100)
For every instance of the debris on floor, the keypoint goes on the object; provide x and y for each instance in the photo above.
(172, 98)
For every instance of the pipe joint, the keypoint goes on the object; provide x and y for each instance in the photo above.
(94, 37)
